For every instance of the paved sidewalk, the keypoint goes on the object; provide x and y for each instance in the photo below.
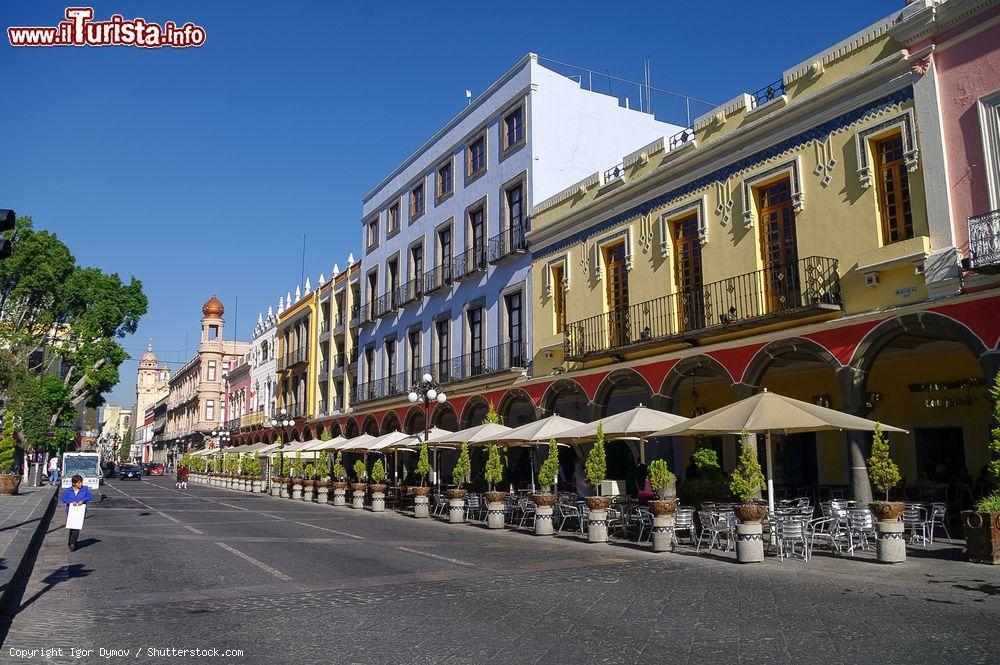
(22, 516)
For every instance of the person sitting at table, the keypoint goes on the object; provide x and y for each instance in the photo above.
(583, 486)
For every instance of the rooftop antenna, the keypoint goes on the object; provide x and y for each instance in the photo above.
(302, 275)
(468, 97)
(648, 69)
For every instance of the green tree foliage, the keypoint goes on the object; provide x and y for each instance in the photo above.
(359, 471)
(550, 467)
(278, 463)
(597, 462)
(491, 416)
(494, 466)
(747, 480)
(661, 477)
(423, 464)
(7, 448)
(882, 470)
(378, 472)
(462, 473)
(339, 472)
(310, 471)
(125, 447)
(323, 465)
(298, 470)
(993, 468)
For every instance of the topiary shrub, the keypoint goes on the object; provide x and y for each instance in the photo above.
(298, 470)
(423, 464)
(550, 468)
(339, 472)
(359, 471)
(661, 477)
(462, 473)
(597, 461)
(494, 467)
(378, 472)
(7, 448)
(323, 466)
(882, 470)
(747, 481)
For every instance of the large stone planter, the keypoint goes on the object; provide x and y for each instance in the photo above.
(749, 542)
(890, 542)
(597, 522)
(421, 501)
(275, 486)
(544, 503)
(378, 498)
(308, 488)
(358, 496)
(296, 489)
(494, 509)
(456, 506)
(340, 494)
(663, 524)
(886, 511)
(982, 537)
(255, 486)
(9, 482)
(322, 491)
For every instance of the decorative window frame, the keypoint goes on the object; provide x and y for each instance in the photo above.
(906, 125)
(697, 206)
(611, 239)
(792, 168)
(552, 265)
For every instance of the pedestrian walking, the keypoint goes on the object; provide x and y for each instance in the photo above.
(75, 497)
(54, 470)
(182, 478)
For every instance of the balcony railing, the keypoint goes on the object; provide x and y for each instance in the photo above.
(324, 331)
(324, 365)
(681, 138)
(790, 291)
(338, 362)
(295, 410)
(490, 360)
(767, 93)
(338, 320)
(338, 404)
(510, 242)
(411, 291)
(293, 358)
(355, 313)
(233, 424)
(438, 277)
(616, 172)
(984, 243)
(470, 262)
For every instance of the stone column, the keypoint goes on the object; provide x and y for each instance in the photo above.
(339, 497)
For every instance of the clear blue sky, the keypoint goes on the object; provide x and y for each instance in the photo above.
(199, 170)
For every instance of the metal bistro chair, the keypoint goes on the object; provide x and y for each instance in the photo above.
(527, 509)
(440, 504)
(473, 507)
(569, 513)
(915, 520)
(861, 530)
(714, 526)
(939, 518)
(644, 519)
(791, 531)
(825, 529)
(684, 521)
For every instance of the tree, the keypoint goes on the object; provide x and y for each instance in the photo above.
(462, 473)
(550, 467)
(993, 465)
(378, 472)
(279, 463)
(339, 472)
(310, 471)
(297, 469)
(423, 464)
(323, 465)
(494, 466)
(125, 447)
(747, 480)
(359, 471)
(491, 416)
(661, 477)
(881, 469)
(597, 464)
(7, 448)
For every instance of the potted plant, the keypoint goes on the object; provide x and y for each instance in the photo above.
(298, 471)
(546, 499)
(359, 486)
(378, 487)
(322, 478)
(890, 546)
(662, 479)
(494, 498)
(706, 481)
(244, 477)
(340, 481)
(460, 475)
(421, 507)
(982, 526)
(308, 482)
(596, 468)
(746, 484)
(253, 472)
(275, 471)
(10, 480)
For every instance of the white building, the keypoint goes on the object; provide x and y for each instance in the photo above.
(263, 364)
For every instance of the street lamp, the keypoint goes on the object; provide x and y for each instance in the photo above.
(427, 390)
(284, 422)
(222, 435)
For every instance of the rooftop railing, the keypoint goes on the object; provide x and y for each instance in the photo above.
(616, 172)
(735, 303)
(767, 93)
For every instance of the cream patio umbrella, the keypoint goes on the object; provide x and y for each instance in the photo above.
(485, 433)
(638, 423)
(537, 433)
(318, 445)
(766, 413)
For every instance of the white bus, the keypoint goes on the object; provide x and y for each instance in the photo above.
(87, 465)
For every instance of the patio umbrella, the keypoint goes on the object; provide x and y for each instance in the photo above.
(329, 444)
(638, 423)
(485, 433)
(538, 433)
(767, 413)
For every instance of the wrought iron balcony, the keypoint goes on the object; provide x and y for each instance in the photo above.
(324, 365)
(984, 243)
(338, 363)
(616, 172)
(338, 404)
(355, 313)
(491, 360)
(411, 291)
(295, 410)
(768, 93)
(797, 290)
(324, 331)
(438, 277)
(397, 384)
(293, 358)
(508, 243)
(470, 262)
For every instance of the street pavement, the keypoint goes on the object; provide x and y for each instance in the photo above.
(282, 581)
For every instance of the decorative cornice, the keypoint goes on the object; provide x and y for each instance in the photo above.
(842, 48)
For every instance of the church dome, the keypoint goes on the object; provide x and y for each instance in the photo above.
(148, 358)
(213, 307)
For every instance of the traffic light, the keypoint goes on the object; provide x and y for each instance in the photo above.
(7, 218)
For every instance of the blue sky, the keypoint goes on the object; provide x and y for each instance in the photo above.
(199, 170)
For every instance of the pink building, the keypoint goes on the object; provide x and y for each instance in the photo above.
(954, 50)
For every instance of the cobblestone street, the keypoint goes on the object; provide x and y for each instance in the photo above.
(284, 582)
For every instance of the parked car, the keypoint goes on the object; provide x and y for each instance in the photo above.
(154, 469)
(130, 472)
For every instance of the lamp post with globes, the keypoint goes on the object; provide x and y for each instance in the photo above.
(284, 421)
(427, 391)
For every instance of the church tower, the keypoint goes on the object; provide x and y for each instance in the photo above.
(151, 382)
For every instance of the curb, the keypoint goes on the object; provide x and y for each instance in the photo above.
(27, 555)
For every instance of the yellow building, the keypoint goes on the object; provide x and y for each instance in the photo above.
(297, 327)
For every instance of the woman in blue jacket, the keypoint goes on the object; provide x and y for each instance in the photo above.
(75, 496)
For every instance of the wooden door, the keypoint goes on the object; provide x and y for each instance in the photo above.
(618, 312)
(779, 247)
(687, 273)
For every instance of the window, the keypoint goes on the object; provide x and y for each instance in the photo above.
(210, 410)
(372, 241)
(392, 280)
(893, 190)
(390, 358)
(211, 370)
(445, 180)
(477, 234)
(513, 129)
(475, 164)
(392, 220)
(370, 364)
(989, 120)
(213, 332)
(225, 368)
(416, 201)
(372, 293)
(515, 207)
(443, 349)
(515, 336)
(413, 338)
(558, 299)
(444, 253)
(474, 318)
(417, 261)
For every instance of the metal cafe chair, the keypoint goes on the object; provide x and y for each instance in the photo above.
(915, 519)
(861, 530)
(473, 506)
(714, 526)
(791, 531)
(939, 518)
(825, 529)
(684, 521)
(569, 513)
(527, 509)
